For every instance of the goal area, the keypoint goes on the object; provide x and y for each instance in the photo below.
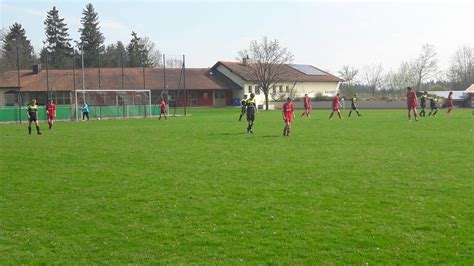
(111, 104)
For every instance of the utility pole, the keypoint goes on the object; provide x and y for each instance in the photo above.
(47, 77)
(82, 59)
(121, 59)
(143, 68)
(74, 80)
(98, 57)
(19, 83)
(184, 84)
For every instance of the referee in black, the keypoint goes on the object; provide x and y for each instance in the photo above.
(243, 105)
(433, 106)
(354, 106)
(423, 103)
(32, 113)
(251, 105)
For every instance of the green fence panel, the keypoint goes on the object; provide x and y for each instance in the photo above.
(67, 112)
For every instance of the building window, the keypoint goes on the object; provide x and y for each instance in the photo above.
(280, 88)
(11, 99)
(287, 89)
(250, 89)
(274, 89)
(219, 94)
(257, 90)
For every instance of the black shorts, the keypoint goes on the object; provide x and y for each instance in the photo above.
(423, 105)
(244, 110)
(251, 116)
(353, 107)
(434, 108)
(32, 118)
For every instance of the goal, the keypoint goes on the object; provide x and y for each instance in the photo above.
(110, 104)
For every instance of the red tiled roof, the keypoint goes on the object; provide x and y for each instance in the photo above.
(289, 73)
(470, 89)
(111, 79)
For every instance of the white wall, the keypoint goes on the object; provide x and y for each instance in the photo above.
(300, 89)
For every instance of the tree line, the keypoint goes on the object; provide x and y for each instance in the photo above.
(421, 73)
(60, 51)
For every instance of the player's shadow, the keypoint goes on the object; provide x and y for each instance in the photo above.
(270, 136)
(229, 134)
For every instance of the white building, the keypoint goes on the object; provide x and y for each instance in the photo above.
(299, 80)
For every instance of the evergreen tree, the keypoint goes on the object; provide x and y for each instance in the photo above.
(121, 55)
(57, 41)
(135, 51)
(114, 55)
(142, 52)
(91, 37)
(16, 36)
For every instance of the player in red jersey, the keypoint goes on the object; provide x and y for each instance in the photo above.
(163, 109)
(336, 105)
(288, 112)
(411, 103)
(51, 112)
(307, 106)
(450, 103)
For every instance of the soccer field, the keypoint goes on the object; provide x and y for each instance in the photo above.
(372, 189)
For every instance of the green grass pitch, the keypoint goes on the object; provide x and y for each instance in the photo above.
(376, 189)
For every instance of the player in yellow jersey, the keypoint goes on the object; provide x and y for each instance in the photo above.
(251, 106)
(32, 113)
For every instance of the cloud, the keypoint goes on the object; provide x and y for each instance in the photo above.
(114, 30)
(113, 25)
(4, 7)
(36, 13)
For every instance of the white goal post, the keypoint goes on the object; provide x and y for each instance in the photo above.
(114, 103)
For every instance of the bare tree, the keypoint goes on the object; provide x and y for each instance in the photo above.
(174, 62)
(405, 77)
(461, 70)
(348, 73)
(400, 79)
(372, 76)
(425, 66)
(266, 63)
(392, 81)
(154, 55)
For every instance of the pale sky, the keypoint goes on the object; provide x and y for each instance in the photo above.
(326, 34)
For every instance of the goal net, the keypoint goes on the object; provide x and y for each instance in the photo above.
(109, 104)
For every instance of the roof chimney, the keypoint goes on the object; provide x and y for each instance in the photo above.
(245, 60)
(36, 69)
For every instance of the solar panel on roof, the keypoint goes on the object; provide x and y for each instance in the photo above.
(307, 69)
